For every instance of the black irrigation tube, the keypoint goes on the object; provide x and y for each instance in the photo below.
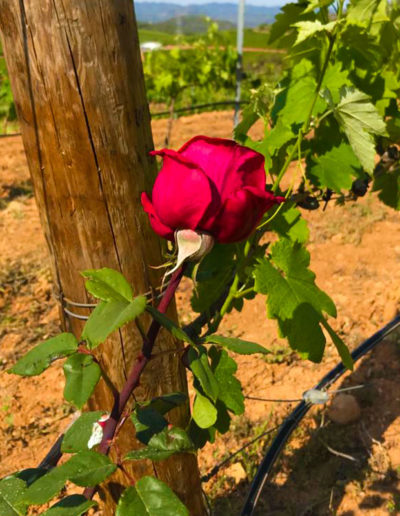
(291, 422)
(199, 106)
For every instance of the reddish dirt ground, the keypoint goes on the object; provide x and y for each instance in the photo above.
(327, 468)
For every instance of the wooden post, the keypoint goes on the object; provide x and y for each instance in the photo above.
(78, 85)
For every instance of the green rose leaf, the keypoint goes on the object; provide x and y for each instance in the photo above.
(12, 490)
(74, 505)
(85, 469)
(148, 422)
(230, 390)
(108, 285)
(81, 377)
(163, 445)
(109, 316)
(166, 402)
(242, 347)
(77, 436)
(200, 367)
(41, 356)
(150, 497)
(170, 325)
(204, 412)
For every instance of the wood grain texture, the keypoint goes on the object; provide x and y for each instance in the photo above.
(78, 85)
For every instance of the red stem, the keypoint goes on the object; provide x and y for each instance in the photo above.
(134, 376)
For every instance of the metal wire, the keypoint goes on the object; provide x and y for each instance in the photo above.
(292, 421)
(93, 305)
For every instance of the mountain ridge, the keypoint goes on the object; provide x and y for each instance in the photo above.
(155, 12)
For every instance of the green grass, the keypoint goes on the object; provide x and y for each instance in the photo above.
(153, 35)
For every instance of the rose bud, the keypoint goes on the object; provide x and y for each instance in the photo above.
(209, 185)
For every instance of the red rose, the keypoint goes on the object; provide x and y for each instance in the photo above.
(211, 185)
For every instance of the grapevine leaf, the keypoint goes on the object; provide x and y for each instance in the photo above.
(81, 377)
(74, 505)
(41, 356)
(360, 12)
(242, 347)
(335, 169)
(290, 224)
(290, 14)
(108, 316)
(307, 29)
(108, 285)
(230, 390)
(163, 445)
(293, 102)
(200, 367)
(77, 436)
(12, 490)
(293, 298)
(360, 121)
(150, 497)
(170, 325)
(204, 412)
(341, 347)
(388, 186)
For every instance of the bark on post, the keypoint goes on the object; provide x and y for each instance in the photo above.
(77, 80)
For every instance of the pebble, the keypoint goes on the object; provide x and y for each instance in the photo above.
(237, 472)
(344, 409)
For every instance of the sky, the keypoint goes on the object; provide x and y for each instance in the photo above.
(266, 3)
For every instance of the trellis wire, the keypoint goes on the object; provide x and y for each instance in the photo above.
(164, 113)
(291, 422)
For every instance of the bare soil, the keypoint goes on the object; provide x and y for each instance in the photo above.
(326, 468)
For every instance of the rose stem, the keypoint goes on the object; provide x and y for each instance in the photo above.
(134, 375)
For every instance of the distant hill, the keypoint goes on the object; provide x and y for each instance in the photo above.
(155, 12)
(192, 24)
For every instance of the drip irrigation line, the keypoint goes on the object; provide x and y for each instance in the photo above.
(292, 421)
(199, 106)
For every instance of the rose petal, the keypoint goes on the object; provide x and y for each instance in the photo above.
(241, 214)
(182, 194)
(230, 166)
(160, 228)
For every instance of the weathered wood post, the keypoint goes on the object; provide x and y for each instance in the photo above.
(78, 85)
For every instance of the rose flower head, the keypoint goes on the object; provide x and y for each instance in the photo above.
(210, 185)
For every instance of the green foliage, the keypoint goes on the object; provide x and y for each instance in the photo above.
(163, 444)
(41, 356)
(293, 298)
(208, 66)
(242, 347)
(11, 491)
(81, 376)
(78, 434)
(73, 505)
(87, 468)
(116, 308)
(360, 121)
(150, 497)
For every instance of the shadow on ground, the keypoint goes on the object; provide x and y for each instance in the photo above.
(313, 478)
